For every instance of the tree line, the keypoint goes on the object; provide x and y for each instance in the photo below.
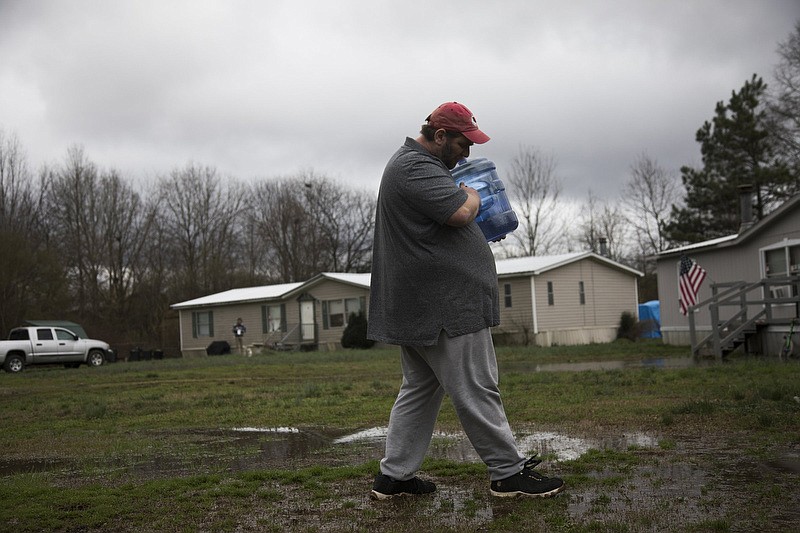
(82, 243)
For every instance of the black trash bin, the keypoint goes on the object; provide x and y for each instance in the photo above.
(218, 348)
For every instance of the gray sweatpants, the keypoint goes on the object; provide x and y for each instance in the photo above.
(465, 368)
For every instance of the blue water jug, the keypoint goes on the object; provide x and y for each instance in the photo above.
(495, 217)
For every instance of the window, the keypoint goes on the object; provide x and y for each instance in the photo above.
(782, 260)
(202, 324)
(551, 300)
(776, 263)
(273, 318)
(44, 334)
(19, 335)
(581, 293)
(336, 312)
(794, 260)
(507, 294)
(64, 335)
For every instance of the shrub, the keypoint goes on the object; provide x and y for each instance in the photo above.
(355, 334)
(628, 328)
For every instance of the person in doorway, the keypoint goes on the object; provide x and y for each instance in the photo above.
(434, 293)
(239, 330)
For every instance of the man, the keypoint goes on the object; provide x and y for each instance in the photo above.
(239, 330)
(434, 293)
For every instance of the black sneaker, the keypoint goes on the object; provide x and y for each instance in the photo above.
(385, 487)
(528, 482)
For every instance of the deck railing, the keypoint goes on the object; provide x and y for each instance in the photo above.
(754, 305)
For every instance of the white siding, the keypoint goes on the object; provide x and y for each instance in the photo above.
(608, 293)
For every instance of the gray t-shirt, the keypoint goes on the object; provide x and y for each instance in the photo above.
(426, 275)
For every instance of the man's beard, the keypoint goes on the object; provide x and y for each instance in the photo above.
(447, 156)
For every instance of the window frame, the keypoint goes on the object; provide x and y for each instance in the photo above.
(507, 301)
(267, 323)
(350, 304)
(202, 328)
(790, 251)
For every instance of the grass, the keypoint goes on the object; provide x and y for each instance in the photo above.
(144, 446)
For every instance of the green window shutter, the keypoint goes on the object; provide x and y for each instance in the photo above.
(194, 324)
(283, 317)
(264, 325)
(324, 314)
(211, 323)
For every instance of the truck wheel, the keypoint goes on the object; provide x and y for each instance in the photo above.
(96, 358)
(14, 363)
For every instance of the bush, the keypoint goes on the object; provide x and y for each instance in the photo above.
(355, 334)
(628, 328)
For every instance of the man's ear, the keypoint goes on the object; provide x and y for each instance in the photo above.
(440, 136)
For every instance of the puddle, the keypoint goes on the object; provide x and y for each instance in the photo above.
(30, 466)
(566, 448)
(274, 447)
(456, 446)
(649, 487)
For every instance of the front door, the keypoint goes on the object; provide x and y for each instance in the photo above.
(307, 321)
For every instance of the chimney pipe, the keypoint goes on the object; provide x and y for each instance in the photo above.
(745, 207)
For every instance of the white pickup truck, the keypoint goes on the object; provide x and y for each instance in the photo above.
(38, 345)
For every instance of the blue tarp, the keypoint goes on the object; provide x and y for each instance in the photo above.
(650, 317)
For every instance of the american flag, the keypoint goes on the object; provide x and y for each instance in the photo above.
(689, 280)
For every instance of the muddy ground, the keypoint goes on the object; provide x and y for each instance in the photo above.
(700, 481)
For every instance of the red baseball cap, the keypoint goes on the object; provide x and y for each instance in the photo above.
(453, 116)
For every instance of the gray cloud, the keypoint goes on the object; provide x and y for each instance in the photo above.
(262, 89)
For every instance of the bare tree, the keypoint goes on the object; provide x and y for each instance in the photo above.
(649, 195)
(73, 205)
(290, 237)
(345, 219)
(307, 224)
(202, 219)
(19, 206)
(784, 102)
(100, 227)
(534, 189)
(126, 223)
(603, 228)
(31, 275)
(156, 284)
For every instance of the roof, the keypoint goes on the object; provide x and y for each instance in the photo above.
(272, 292)
(539, 264)
(697, 245)
(246, 294)
(737, 238)
(505, 267)
(359, 280)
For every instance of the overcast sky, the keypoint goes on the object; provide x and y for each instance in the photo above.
(271, 88)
